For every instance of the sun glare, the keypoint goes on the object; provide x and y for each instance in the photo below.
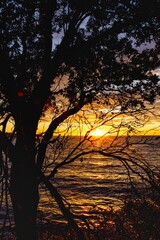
(97, 132)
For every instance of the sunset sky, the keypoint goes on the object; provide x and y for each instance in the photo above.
(77, 125)
(86, 120)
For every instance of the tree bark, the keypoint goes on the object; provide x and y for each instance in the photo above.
(24, 194)
(24, 183)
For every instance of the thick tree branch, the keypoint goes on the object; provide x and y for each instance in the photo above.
(47, 9)
(49, 133)
(61, 205)
(42, 90)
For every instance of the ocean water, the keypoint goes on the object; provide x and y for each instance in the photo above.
(92, 181)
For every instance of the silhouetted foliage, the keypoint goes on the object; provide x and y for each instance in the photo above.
(66, 55)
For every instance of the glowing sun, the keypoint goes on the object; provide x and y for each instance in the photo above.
(97, 132)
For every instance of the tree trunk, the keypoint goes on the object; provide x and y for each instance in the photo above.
(24, 192)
